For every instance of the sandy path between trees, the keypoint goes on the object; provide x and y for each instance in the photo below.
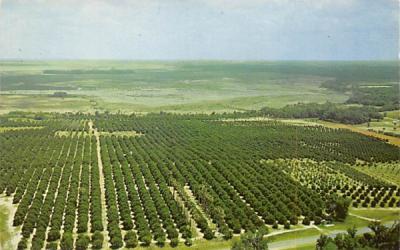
(101, 179)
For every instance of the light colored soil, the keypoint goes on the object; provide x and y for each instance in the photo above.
(4, 129)
(9, 235)
(298, 122)
(101, 179)
(131, 133)
(69, 133)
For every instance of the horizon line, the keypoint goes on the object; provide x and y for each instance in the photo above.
(193, 60)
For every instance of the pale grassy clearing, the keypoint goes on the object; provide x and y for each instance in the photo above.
(395, 114)
(349, 222)
(295, 234)
(375, 86)
(9, 235)
(22, 119)
(387, 124)
(391, 139)
(389, 172)
(70, 133)
(382, 214)
(38, 66)
(302, 247)
(43, 103)
(131, 133)
(162, 99)
(157, 86)
(299, 122)
(5, 129)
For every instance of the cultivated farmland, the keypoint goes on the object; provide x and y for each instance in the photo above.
(110, 180)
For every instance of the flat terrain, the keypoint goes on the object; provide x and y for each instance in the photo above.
(155, 86)
(363, 130)
(390, 123)
(360, 128)
(167, 179)
(188, 176)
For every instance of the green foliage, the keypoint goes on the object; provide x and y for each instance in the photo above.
(67, 241)
(53, 235)
(286, 225)
(97, 240)
(208, 234)
(327, 111)
(52, 246)
(184, 171)
(116, 242)
(131, 240)
(382, 238)
(226, 232)
(317, 220)
(59, 94)
(306, 221)
(22, 244)
(251, 241)
(82, 242)
(322, 242)
(338, 206)
(385, 96)
(146, 239)
(37, 244)
(174, 242)
(188, 242)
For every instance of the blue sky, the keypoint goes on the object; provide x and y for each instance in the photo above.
(200, 29)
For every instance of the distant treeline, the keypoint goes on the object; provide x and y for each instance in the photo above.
(343, 72)
(327, 111)
(89, 71)
(59, 94)
(386, 97)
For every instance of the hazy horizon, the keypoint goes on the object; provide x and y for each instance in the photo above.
(191, 60)
(206, 30)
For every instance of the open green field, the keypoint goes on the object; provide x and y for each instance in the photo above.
(390, 123)
(182, 86)
(385, 171)
(303, 247)
(378, 214)
(4, 230)
(294, 235)
(43, 103)
(197, 86)
(8, 234)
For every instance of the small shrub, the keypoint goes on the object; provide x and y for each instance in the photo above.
(174, 242)
(82, 242)
(306, 221)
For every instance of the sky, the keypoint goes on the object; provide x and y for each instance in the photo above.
(200, 29)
